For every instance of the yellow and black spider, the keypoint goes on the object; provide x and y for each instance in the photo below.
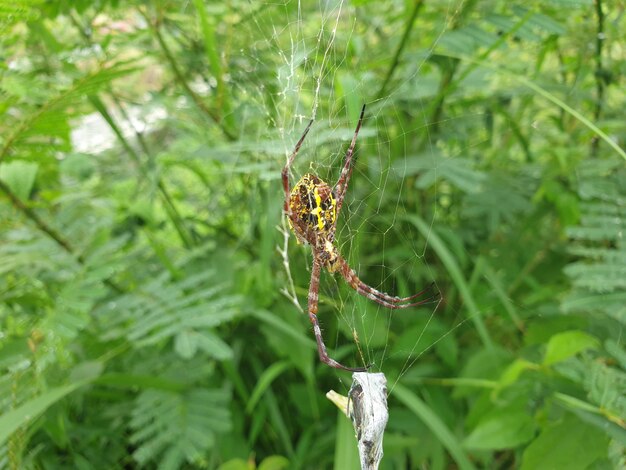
(312, 208)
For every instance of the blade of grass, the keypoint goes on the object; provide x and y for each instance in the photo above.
(210, 48)
(264, 381)
(180, 78)
(274, 322)
(276, 421)
(457, 276)
(435, 424)
(29, 411)
(546, 94)
(500, 292)
(550, 97)
(346, 452)
(396, 57)
(168, 204)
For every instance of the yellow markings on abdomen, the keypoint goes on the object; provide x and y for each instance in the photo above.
(318, 211)
(314, 204)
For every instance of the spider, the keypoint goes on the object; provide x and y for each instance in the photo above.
(312, 209)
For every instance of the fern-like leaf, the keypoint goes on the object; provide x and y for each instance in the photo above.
(50, 118)
(183, 311)
(599, 275)
(173, 428)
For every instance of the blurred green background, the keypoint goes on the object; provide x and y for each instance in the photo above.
(152, 299)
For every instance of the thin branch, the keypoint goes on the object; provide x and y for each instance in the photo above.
(396, 57)
(170, 207)
(449, 83)
(41, 225)
(517, 131)
(168, 203)
(223, 100)
(180, 78)
(27, 122)
(48, 230)
(599, 74)
(445, 89)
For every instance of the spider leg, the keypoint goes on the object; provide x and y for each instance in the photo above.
(287, 167)
(381, 298)
(346, 172)
(312, 306)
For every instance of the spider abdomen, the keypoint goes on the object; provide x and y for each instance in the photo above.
(313, 209)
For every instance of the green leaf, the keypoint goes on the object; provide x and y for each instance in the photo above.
(274, 462)
(12, 12)
(347, 88)
(545, 23)
(568, 444)
(595, 416)
(134, 381)
(20, 177)
(87, 371)
(25, 414)
(434, 168)
(264, 382)
(346, 451)
(567, 344)
(275, 323)
(571, 3)
(215, 347)
(185, 344)
(513, 372)
(541, 91)
(212, 50)
(174, 428)
(51, 119)
(237, 464)
(606, 385)
(566, 202)
(501, 430)
(184, 311)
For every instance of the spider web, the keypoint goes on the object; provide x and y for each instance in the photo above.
(319, 76)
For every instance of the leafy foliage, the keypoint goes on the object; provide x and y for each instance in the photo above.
(149, 309)
(172, 428)
(180, 311)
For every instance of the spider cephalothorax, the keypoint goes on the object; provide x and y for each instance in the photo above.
(312, 208)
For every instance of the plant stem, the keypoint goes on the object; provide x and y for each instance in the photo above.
(181, 80)
(599, 74)
(449, 84)
(169, 206)
(211, 50)
(27, 122)
(41, 225)
(517, 131)
(48, 230)
(396, 57)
